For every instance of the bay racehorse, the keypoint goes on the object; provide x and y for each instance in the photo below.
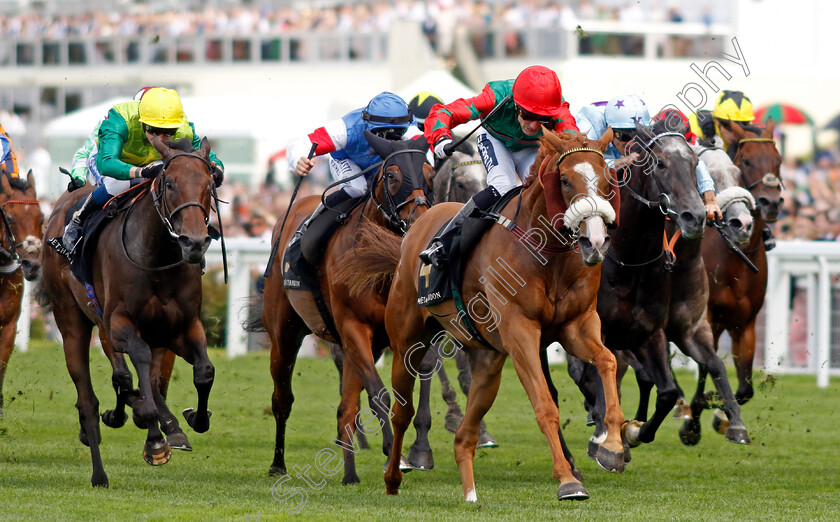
(648, 294)
(736, 293)
(21, 226)
(147, 280)
(398, 194)
(562, 205)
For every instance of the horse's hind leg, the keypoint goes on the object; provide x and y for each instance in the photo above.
(122, 382)
(454, 416)
(338, 360)
(654, 357)
(420, 455)
(486, 377)
(346, 415)
(485, 440)
(76, 333)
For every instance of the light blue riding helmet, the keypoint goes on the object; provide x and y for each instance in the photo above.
(387, 110)
(622, 112)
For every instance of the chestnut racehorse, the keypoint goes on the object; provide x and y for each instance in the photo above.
(288, 315)
(147, 277)
(736, 293)
(554, 299)
(21, 226)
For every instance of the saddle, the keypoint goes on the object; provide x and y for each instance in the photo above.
(81, 260)
(437, 286)
(313, 242)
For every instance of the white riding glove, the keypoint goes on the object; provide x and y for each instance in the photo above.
(439, 146)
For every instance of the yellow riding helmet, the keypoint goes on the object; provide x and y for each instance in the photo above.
(733, 106)
(161, 108)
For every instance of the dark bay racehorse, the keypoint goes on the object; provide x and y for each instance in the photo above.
(562, 201)
(21, 226)
(736, 293)
(645, 293)
(399, 193)
(147, 278)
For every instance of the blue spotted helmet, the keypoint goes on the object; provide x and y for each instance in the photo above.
(387, 115)
(622, 112)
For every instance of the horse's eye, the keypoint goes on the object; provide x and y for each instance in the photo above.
(660, 164)
(565, 182)
(747, 163)
(170, 185)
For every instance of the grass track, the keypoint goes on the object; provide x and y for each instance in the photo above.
(791, 471)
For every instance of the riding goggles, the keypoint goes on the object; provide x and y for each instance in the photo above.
(389, 133)
(530, 116)
(158, 130)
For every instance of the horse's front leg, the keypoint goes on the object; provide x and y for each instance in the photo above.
(7, 344)
(521, 339)
(203, 375)
(582, 338)
(697, 343)
(743, 351)
(420, 455)
(121, 380)
(125, 337)
(163, 361)
(653, 355)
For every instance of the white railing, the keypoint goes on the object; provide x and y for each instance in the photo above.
(816, 262)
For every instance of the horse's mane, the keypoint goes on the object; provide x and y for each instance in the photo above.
(546, 149)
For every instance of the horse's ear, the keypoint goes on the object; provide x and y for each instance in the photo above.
(419, 143)
(605, 140)
(5, 184)
(30, 182)
(644, 131)
(205, 146)
(553, 140)
(731, 131)
(161, 147)
(382, 146)
(768, 131)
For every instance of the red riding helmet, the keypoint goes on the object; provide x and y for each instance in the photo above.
(676, 120)
(537, 90)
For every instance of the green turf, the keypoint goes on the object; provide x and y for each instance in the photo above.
(790, 471)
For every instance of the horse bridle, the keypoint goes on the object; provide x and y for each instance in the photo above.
(166, 215)
(452, 175)
(391, 213)
(13, 256)
(664, 203)
(768, 180)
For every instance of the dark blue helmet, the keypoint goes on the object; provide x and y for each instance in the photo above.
(387, 111)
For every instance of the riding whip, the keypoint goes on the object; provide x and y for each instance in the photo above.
(280, 232)
(449, 149)
(732, 246)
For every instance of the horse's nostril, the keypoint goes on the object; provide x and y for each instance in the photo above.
(763, 202)
(735, 223)
(584, 242)
(688, 218)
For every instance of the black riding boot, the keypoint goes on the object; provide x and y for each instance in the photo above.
(73, 230)
(434, 254)
(767, 236)
(332, 200)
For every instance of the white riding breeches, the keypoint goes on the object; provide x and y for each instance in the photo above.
(503, 165)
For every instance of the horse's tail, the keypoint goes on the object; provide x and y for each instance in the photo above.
(254, 322)
(39, 292)
(371, 264)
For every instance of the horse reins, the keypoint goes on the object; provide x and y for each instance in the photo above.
(159, 201)
(392, 213)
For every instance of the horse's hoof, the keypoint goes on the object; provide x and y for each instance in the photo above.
(589, 420)
(485, 440)
(114, 419)
(275, 471)
(720, 422)
(422, 460)
(178, 440)
(99, 480)
(738, 435)
(405, 465)
(350, 480)
(630, 433)
(681, 411)
(690, 433)
(138, 421)
(192, 418)
(453, 421)
(158, 454)
(572, 491)
(611, 461)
